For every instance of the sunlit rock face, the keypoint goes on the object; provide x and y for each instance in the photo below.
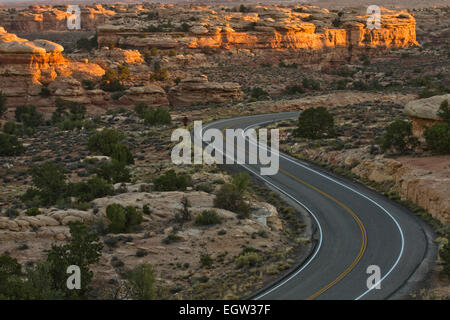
(267, 30)
(46, 18)
(27, 66)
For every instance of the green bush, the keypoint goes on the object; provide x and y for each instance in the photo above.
(315, 123)
(82, 250)
(241, 181)
(444, 254)
(123, 72)
(45, 92)
(112, 86)
(3, 100)
(105, 141)
(206, 261)
(159, 75)
(207, 218)
(33, 211)
(88, 84)
(258, 93)
(114, 171)
(230, 198)
(444, 111)
(122, 154)
(123, 219)
(11, 213)
(10, 127)
(50, 182)
(398, 136)
(156, 116)
(29, 116)
(141, 281)
(249, 259)
(295, 89)
(91, 189)
(311, 84)
(87, 44)
(438, 138)
(10, 146)
(171, 181)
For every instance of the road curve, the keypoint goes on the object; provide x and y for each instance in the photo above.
(356, 228)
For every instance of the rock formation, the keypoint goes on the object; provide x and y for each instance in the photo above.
(302, 30)
(38, 18)
(424, 113)
(197, 90)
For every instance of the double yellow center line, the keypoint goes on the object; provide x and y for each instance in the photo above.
(348, 210)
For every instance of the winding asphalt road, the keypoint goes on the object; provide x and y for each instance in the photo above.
(355, 228)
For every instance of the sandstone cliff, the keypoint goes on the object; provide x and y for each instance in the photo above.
(199, 90)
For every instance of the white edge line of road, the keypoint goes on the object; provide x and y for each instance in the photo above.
(302, 205)
(349, 188)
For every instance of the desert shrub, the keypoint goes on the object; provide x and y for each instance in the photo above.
(11, 285)
(360, 85)
(3, 100)
(315, 123)
(172, 181)
(88, 84)
(248, 259)
(45, 92)
(123, 72)
(10, 127)
(295, 89)
(184, 213)
(121, 153)
(87, 44)
(68, 114)
(29, 116)
(33, 211)
(146, 209)
(241, 181)
(207, 218)
(172, 53)
(141, 282)
(206, 261)
(444, 254)
(112, 86)
(114, 171)
(49, 182)
(11, 213)
(86, 191)
(108, 143)
(438, 138)
(160, 74)
(185, 27)
(310, 84)
(398, 136)
(123, 219)
(341, 84)
(444, 111)
(82, 250)
(230, 198)
(10, 145)
(171, 238)
(156, 116)
(258, 93)
(140, 109)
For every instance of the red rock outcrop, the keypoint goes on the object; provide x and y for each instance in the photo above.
(309, 34)
(424, 113)
(48, 18)
(196, 90)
